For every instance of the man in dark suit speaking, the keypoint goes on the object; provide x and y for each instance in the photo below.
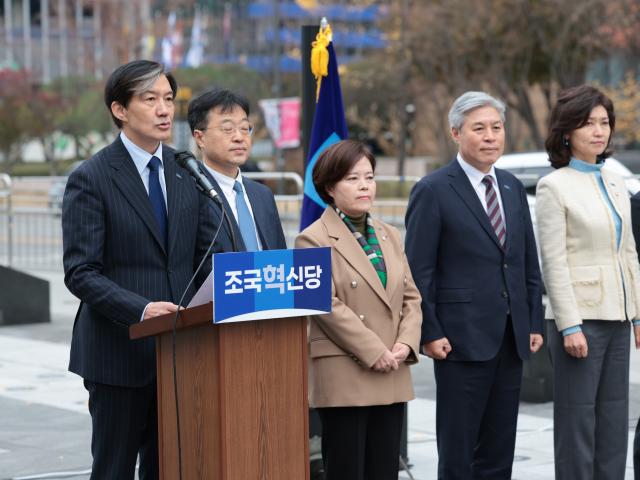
(134, 230)
(219, 121)
(472, 252)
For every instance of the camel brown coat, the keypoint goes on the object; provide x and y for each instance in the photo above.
(366, 319)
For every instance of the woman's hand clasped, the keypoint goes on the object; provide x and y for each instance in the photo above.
(386, 363)
(401, 352)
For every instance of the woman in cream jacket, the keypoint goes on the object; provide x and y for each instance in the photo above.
(591, 274)
(359, 378)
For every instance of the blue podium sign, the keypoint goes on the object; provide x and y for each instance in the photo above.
(271, 284)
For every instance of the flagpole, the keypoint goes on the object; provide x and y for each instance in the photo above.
(97, 40)
(63, 32)
(79, 24)
(308, 88)
(276, 88)
(45, 32)
(26, 35)
(8, 32)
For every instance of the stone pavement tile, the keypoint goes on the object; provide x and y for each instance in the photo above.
(36, 372)
(36, 439)
(534, 442)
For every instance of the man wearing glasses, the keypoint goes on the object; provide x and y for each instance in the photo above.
(219, 122)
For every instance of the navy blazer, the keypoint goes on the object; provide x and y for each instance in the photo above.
(116, 263)
(469, 283)
(265, 213)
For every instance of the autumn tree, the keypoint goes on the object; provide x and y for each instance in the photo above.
(40, 121)
(14, 98)
(82, 113)
(626, 99)
(523, 51)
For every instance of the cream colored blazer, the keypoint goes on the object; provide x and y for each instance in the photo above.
(586, 275)
(366, 319)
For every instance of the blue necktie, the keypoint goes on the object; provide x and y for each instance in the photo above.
(157, 198)
(245, 221)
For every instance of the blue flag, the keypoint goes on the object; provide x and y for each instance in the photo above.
(329, 127)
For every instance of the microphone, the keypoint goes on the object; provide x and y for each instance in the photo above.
(187, 161)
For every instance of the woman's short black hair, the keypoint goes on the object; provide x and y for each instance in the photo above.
(131, 79)
(572, 111)
(336, 162)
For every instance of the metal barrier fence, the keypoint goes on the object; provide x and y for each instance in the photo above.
(31, 233)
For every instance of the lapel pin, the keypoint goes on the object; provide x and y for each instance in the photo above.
(179, 176)
(507, 187)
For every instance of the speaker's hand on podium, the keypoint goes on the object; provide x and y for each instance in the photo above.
(155, 309)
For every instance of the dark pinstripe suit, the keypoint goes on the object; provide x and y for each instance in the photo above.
(265, 214)
(115, 263)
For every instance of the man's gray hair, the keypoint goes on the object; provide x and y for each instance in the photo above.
(144, 82)
(469, 101)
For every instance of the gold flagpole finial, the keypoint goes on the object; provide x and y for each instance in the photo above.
(320, 54)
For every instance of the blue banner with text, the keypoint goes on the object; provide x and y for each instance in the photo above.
(271, 284)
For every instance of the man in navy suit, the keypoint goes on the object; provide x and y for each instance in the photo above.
(134, 230)
(219, 121)
(472, 252)
(635, 223)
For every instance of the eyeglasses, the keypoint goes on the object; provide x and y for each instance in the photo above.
(228, 129)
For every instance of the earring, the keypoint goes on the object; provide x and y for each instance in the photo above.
(566, 142)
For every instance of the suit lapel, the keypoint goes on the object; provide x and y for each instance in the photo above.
(390, 258)
(508, 192)
(127, 179)
(613, 192)
(227, 209)
(174, 182)
(348, 247)
(461, 184)
(259, 210)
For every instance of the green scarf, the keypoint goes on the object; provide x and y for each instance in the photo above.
(370, 244)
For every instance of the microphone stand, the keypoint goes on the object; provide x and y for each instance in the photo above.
(225, 218)
(225, 215)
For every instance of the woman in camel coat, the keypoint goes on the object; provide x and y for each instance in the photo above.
(359, 378)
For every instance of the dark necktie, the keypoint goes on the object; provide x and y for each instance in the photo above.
(493, 210)
(157, 198)
(245, 221)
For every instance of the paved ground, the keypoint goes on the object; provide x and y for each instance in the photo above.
(45, 427)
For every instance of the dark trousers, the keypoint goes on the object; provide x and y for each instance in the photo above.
(591, 402)
(636, 453)
(125, 423)
(477, 414)
(361, 443)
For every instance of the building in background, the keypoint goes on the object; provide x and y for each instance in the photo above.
(58, 38)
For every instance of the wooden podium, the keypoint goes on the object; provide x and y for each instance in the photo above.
(242, 394)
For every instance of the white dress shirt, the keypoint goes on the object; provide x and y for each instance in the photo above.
(226, 185)
(475, 176)
(141, 160)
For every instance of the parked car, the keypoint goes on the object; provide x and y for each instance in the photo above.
(530, 167)
(56, 190)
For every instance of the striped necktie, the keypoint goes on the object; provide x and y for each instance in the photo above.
(493, 210)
